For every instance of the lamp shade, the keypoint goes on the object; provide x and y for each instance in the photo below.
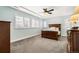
(74, 18)
(76, 11)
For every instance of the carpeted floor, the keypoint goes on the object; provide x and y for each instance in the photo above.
(40, 45)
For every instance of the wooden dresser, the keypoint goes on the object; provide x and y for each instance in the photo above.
(4, 37)
(73, 41)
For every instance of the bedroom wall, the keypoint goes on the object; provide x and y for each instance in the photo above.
(60, 20)
(62, 17)
(8, 14)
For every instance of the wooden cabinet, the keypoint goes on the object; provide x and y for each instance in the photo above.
(73, 41)
(4, 37)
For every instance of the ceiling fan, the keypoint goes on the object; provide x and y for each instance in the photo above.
(48, 11)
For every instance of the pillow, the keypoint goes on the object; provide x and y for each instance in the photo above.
(54, 28)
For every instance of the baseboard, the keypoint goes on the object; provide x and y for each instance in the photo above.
(24, 38)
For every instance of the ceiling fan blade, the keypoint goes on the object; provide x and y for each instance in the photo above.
(51, 10)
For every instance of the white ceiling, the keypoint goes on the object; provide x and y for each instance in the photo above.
(38, 10)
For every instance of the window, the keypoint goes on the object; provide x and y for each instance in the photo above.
(44, 24)
(35, 23)
(41, 23)
(19, 22)
(23, 22)
(27, 22)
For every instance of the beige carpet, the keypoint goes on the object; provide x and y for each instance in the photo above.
(40, 45)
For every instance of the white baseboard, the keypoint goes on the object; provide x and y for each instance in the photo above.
(24, 38)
